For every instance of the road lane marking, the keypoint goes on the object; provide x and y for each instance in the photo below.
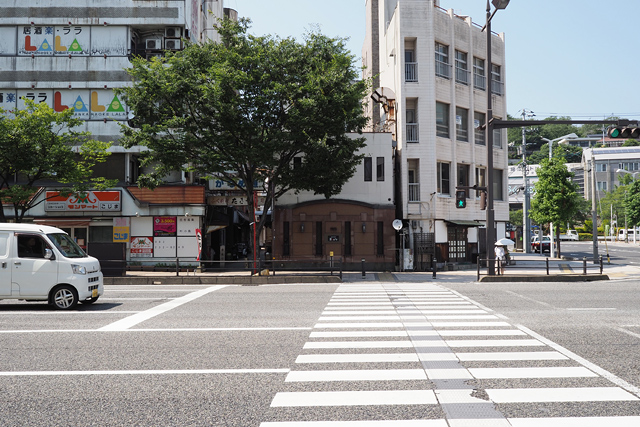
(357, 375)
(354, 398)
(511, 356)
(537, 372)
(573, 394)
(374, 423)
(576, 422)
(357, 358)
(285, 328)
(131, 321)
(144, 372)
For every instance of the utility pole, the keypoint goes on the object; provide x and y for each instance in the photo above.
(526, 222)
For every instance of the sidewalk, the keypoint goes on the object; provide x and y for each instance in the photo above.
(526, 268)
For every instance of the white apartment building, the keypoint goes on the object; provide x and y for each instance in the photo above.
(430, 66)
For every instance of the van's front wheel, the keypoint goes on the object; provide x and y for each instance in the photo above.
(64, 297)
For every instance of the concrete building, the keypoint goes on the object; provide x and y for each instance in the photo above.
(73, 54)
(431, 73)
(601, 166)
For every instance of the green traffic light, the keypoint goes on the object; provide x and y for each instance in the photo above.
(615, 133)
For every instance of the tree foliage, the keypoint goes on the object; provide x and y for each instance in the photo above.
(632, 203)
(38, 145)
(556, 196)
(243, 109)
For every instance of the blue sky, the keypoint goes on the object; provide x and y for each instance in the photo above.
(564, 57)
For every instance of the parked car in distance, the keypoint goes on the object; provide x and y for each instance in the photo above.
(570, 235)
(546, 244)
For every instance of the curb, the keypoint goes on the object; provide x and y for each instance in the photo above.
(219, 280)
(545, 278)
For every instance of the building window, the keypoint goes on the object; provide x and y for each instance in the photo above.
(497, 138)
(410, 66)
(481, 180)
(497, 87)
(602, 185)
(318, 237)
(463, 177)
(497, 184)
(413, 180)
(628, 166)
(478, 120)
(380, 245)
(442, 119)
(443, 68)
(444, 177)
(347, 238)
(286, 247)
(462, 68)
(380, 168)
(601, 167)
(479, 76)
(462, 124)
(412, 124)
(368, 169)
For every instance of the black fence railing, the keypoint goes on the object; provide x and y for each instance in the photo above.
(546, 267)
(329, 267)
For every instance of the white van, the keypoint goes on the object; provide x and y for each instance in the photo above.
(42, 263)
(622, 233)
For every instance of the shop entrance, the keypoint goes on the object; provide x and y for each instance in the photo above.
(78, 234)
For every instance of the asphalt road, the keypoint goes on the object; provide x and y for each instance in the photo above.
(267, 355)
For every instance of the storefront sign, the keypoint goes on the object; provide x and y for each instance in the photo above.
(90, 201)
(164, 226)
(141, 247)
(120, 230)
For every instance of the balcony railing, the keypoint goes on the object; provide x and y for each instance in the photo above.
(414, 192)
(412, 132)
(443, 69)
(497, 87)
(462, 76)
(411, 72)
(479, 82)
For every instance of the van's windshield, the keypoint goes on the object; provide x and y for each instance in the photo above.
(66, 245)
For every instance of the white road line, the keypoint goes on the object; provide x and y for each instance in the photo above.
(480, 332)
(354, 334)
(539, 372)
(144, 372)
(38, 331)
(359, 325)
(357, 358)
(440, 324)
(354, 398)
(576, 422)
(530, 299)
(512, 356)
(411, 316)
(403, 311)
(538, 395)
(130, 321)
(373, 423)
(359, 344)
(492, 343)
(357, 375)
(592, 309)
(67, 313)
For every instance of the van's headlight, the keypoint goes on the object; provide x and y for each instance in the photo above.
(78, 269)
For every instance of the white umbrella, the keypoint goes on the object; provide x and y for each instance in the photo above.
(505, 242)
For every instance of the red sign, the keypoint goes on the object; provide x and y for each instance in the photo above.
(165, 226)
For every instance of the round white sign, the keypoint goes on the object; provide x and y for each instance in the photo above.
(397, 224)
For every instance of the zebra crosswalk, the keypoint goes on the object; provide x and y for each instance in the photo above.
(409, 355)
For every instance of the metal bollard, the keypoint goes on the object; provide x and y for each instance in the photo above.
(547, 266)
(584, 265)
(434, 266)
(600, 264)
(178, 267)
(363, 272)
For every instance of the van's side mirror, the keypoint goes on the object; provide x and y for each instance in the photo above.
(48, 254)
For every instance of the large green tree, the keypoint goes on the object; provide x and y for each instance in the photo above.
(632, 203)
(244, 108)
(39, 146)
(556, 195)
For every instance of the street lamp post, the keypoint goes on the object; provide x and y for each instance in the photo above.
(491, 227)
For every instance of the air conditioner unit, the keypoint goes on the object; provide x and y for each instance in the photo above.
(153, 44)
(173, 32)
(173, 44)
(150, 56)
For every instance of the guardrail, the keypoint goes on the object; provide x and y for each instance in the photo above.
(532, 267)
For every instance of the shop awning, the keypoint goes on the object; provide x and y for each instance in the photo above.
(465, 223)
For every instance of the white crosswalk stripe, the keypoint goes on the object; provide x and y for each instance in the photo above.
(414, 346)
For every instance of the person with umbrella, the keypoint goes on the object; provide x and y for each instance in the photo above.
(501, 253)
